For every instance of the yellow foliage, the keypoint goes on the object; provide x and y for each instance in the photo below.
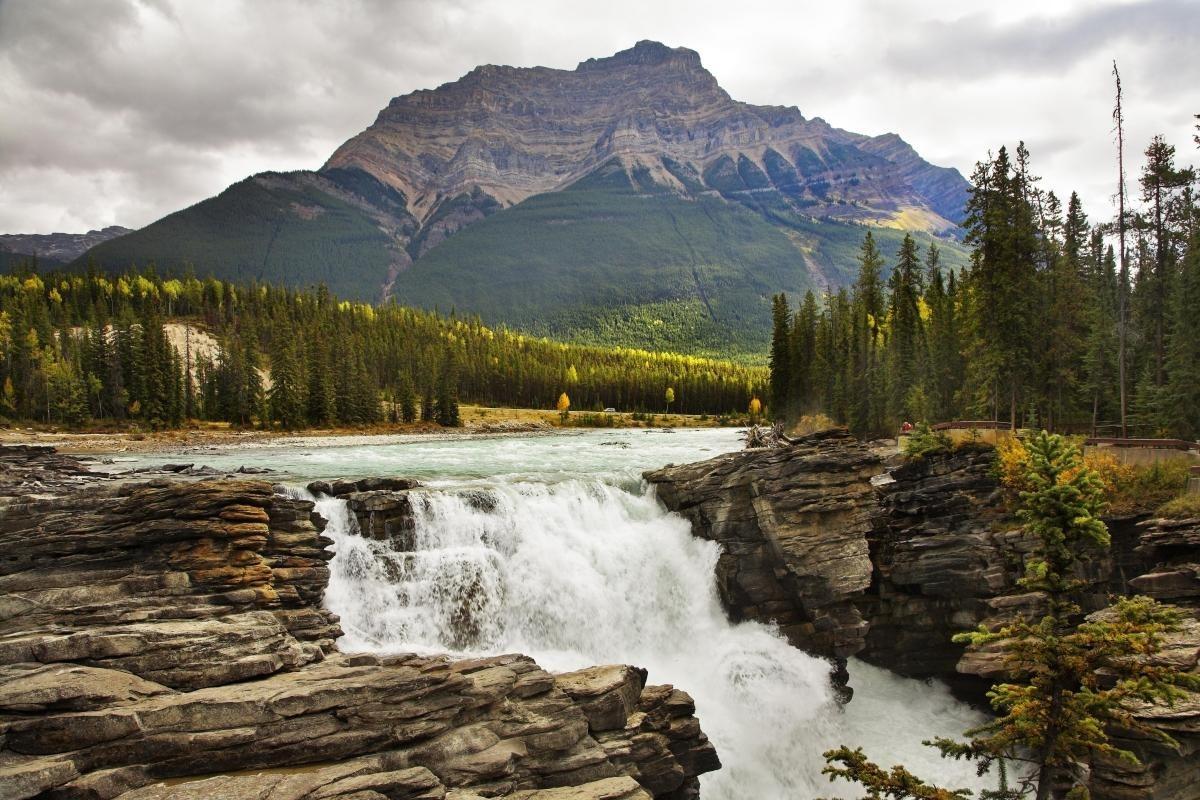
(564, 403)
(1112, 473)
(1012, 461)
(1127, 488)
(145, 287)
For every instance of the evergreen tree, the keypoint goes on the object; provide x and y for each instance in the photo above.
(428, 413)
(321, 395)
(1160, 182)
(66, 398)
(447, 396)
(802, 356)
(781, 374)
(1066, 318)
(906, 342)
(945, 371)
(407, 399)
(866, 379)
(1099, 363)
(286, 395)
(1183, 357)
(1001, 227)
(1070, 683)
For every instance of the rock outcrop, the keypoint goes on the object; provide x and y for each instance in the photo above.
(793, 524)
(165, 638)
(854, 553)
(34, 469)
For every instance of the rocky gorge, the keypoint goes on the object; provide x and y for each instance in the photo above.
(164, 636)
(165, 632)
(854, 551)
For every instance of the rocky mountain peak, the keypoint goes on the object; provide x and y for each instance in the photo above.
(501, 134)
(646, 53)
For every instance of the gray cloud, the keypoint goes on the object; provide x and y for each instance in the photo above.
(116, 111)
(971, 48)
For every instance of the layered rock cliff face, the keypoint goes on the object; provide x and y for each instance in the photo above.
(165, 638)
(855, 553)
(510, 133)
(792, 524)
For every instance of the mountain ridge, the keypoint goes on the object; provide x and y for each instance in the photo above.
(634, 171)
(57, 247)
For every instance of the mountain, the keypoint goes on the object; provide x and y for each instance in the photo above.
(54, 248)
(628, 201)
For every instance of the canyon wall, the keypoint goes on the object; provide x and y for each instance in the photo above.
(856, 552)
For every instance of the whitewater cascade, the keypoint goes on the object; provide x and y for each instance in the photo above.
(583, 572)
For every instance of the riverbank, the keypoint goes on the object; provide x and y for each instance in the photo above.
(477, 421)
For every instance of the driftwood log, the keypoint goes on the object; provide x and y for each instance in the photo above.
(760, 436)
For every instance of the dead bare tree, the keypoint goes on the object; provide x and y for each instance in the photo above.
(1123, 281)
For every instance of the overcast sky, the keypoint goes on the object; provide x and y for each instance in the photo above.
(118, 112)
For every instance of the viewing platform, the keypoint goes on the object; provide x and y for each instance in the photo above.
(1146, 451)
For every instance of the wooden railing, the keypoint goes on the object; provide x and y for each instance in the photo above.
(972, 424)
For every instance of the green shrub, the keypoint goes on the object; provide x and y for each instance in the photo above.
(924, 441)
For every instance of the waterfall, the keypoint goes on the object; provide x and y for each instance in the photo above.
(583, 572)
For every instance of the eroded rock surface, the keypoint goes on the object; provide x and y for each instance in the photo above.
(166, 638)
(792, 523)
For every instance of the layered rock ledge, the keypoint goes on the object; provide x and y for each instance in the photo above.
(165, 638)
(854, 553)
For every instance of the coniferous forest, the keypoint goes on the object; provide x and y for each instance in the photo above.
(1059, 322)
(81, 347)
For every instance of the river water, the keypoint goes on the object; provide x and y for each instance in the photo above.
(551, 545)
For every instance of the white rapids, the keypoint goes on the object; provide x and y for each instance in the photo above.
(552, 546)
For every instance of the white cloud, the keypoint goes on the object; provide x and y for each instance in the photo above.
(120, 112)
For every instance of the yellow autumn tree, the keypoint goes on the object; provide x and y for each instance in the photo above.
(563, 405)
